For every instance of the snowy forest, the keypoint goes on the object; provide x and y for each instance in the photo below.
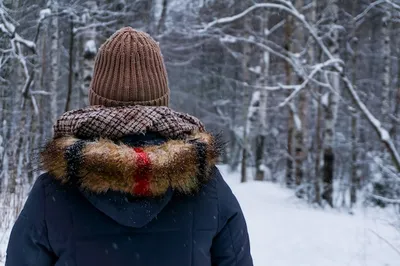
(306, 93)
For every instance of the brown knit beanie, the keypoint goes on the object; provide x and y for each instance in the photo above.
(129, 70)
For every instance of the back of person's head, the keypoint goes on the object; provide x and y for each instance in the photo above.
(129, 70)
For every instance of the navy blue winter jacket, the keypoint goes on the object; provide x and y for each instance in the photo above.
(93, 219)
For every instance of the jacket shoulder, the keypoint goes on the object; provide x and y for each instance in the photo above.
(33, 210)
(228, 204)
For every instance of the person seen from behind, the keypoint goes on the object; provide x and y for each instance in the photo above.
(128, 180)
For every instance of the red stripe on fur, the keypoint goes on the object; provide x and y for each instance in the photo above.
(142, 175)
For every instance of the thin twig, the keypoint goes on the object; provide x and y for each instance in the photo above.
(386, 241)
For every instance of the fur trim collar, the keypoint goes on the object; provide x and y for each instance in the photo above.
(103, 165)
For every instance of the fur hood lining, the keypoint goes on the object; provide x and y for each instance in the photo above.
(103, 165)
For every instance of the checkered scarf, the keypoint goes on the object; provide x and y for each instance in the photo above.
(116, 122)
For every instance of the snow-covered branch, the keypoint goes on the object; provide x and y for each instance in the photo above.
(375, 123)
(94, 25)
(288, 7)
(40, 93)
(272, 48)
(9, 29)
(386, 200)
(275, 27)
(297, 88)
(244, 13)
(15, 42)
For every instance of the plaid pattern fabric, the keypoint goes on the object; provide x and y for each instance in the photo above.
(116, 122)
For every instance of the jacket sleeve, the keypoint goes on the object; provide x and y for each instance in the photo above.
(28, 244)
(231, 245)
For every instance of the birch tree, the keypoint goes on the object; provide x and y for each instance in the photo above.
(89, 48)
(163, 17)
(300, 150)
(262, 130)
(71, 53)
(355, 179)
(290, 123)
(396, 118)
(386, 74)
(246, 79)
(313, 55)
(53, 5)
(331, 108)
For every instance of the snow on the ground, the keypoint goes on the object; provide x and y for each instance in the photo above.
(10, 206)
(5, 227)
(284, 231)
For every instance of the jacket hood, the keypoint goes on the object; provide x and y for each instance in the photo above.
(127, 210)
(102, 165)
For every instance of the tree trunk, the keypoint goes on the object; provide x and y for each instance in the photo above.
(355, 180)
(260, 140)
(386, 52)
(396, 119)
(89, 51)
(300, 151)
(313, 54)
(331, 109)
(70, 64)
(318, 140)
(329, 140)
(54, 60)
(243, 172)
(288, 72)
(246, 78)
(77, 92)
(163, 17)
(17, 122)
(301, 137)
(42, 117)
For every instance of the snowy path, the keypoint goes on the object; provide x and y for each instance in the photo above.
(286, 232)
